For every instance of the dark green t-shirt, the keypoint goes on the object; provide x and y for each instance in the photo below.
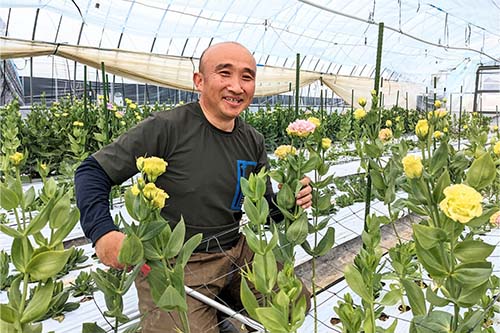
(203, 172)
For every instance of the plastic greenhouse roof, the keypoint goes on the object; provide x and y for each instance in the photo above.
(421, 39)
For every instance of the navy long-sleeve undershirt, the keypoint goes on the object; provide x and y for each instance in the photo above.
(92, 188)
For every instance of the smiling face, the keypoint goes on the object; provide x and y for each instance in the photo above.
(226, 81)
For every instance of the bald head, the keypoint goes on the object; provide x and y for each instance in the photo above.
(216, 49)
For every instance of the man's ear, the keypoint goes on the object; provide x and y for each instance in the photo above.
(198, 81)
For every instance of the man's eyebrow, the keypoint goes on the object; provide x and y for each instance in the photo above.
(223, 66)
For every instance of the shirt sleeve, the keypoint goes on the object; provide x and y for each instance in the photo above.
(92, 188)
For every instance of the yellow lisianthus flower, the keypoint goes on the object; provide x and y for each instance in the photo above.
(119, 114)
(128, 100)
(153, 167)
(496, 148)
(445, 100)
(412, 166)
(78, 124)
(16, 158)
(359, 114)
(362, 101)
(314, 120)
(326, 143)
(150, 190)
(461, 203)
(437, 135)
(385, 134)
(65, 114)
(373, 92)
(284, 150)
(422, 129)
(135, 190)
(43, 166)
(398, 118)
(466, 126)
(437, 104)
(159, 199)
(122, 123)
(445, 130)
(388, 123)
(133, 106)
(495, 128)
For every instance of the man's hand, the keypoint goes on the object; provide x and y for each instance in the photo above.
(108, 247)
(304, 197)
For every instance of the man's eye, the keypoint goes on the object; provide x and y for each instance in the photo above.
(225, 73)
(248, 78)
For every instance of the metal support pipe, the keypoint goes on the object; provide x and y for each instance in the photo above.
(230, 312)
(297, 84)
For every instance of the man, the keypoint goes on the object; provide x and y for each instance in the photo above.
(208, 148)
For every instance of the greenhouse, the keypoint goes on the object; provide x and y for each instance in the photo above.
(249, 166)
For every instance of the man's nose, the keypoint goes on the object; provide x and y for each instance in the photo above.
(235, 86)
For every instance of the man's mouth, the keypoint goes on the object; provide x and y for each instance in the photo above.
(233, 100)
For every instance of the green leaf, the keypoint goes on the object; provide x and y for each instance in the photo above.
(442, 183)
(392, 297)
(326, 243)
(10, 231)
(324, 202)
(248, 299)
(47, 264)
(8, 314)
(470, 296)
(415, 297)
(21, 253)
(472, 322)
(434, 299)
(260, 187)
(131, 278)
(60, 213)
(255, 244)
(92, 327)
(39, 221)
(130, 199)
(356, 283)
(171, 300)
(252, 211)
(14, 293)
(311, 164)
(8, 198)
(297, 232)
(439, 158)
(272, 319)
(266, 271)
(473, 274)
(372, 150)
(433, 261)
(483, 219)
(188, 249)
(176, 240)
(28, 198)
(377, 180)
(39, 304)
(285, 197)
(131, 252)
(245, 187)
(153, 229)
(482, 172)
(428, 237)
(473, 250)
(66, 228)
(435, 322)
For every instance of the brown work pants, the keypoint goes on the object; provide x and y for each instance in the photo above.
(209, 274)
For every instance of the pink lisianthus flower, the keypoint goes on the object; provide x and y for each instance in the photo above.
(301, 128)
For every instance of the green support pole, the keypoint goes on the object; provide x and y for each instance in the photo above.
(297, 83)
(85, 118)
(435, 89)
(321, 99)
(352, 110)
(460, 116)
(397, 99)
(105, 104)
(376, 88)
